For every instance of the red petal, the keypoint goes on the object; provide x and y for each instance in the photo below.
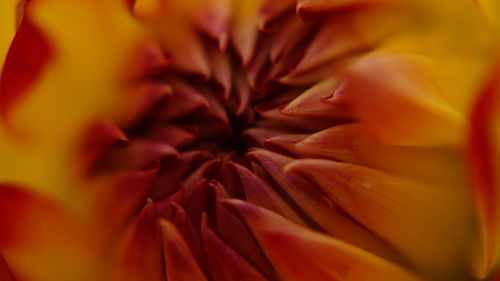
(139, 155)
(5, 272)
(142, 257)
(179, 261)
(173, 171)
(118, 196)
(98, 139)
(27, 57)
(483, 151)
(272, 10)
(225, 264)
(213, 18)
(235, 233)
(261, 194)
(184, 100)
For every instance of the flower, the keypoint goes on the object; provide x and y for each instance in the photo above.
(249, 140)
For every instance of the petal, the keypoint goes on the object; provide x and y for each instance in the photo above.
(345, 34)
(243, 244)
(224, 263)
(8, 20)
(173, 135)
(179, 261)
(140, 154)
(291, 32)
(271, 11)
(244, 28)
(325, 213)
(322, 258)
(261, 194)
(172, 171)
(221, 69)
(186, 50)
(23, 64)
(213, 17)
(354, 144)
(483, 152)
(383, 106)
(311, 9)
(185, 100)
(117, 196)
(141, 256)
(404, 213)
(41, 240)
(309, 103)
(47, 125)
(5, 272)
(98, 139)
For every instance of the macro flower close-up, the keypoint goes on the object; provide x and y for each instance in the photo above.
(249, 140)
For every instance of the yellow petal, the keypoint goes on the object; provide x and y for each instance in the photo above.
(8, 12)
(58, 107)
(384, 106)
(244, 28)
(415, 218)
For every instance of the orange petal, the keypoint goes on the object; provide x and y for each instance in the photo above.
(309, 103)
(334, 39)
(284, 144)
(42, 240)
(352, 143)
(274, 114)
(141, 256)
(308, 8)
(244, 28)
(319, 208)
(322, 258)
(185, 47)
(404, 213)
(384, 106)
(179, 261)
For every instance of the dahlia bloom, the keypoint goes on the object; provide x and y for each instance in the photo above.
(221, 140)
